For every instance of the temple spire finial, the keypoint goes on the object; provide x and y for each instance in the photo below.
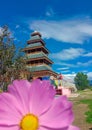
(35, 33)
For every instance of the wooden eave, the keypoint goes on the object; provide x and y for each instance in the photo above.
(40, 58)
(44, 73)
(35, 41)
(36, 47)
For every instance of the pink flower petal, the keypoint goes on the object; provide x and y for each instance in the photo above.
(10, 111)
(59, 115)
(46, 128)
(67, 128)
(73, 128)
(37, 98)
(41, 96)
(20, 89)
(9, 127)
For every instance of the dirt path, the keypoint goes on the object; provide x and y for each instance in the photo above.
(79, 112)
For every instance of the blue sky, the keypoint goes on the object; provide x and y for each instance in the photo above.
(65, 25)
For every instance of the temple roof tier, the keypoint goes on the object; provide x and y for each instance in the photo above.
(36, 55)
(38, 68)
(36, 47)
(40, 58)
(36, 41)
(44, 73)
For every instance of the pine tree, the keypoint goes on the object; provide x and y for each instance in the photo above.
(81, 81)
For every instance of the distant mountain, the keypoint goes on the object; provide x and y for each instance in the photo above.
(68, 82)
(68, 79)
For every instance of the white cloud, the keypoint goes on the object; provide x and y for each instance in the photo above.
(65, 68)
(84, 71)
(64, 64)
(89, 75)
(76, 65)
(69, 77)
(84, 64)
(88, 54)
(68, 54)
(69, 30)
(65, 71)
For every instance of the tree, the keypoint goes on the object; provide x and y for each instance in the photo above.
(81, 81)
(10, 62)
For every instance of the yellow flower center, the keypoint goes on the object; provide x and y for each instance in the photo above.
(29, 122)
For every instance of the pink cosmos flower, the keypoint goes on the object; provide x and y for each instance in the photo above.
(33, 106)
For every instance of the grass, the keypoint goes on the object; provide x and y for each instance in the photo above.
(89, 112)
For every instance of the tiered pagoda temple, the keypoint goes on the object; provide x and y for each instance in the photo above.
(38, 63)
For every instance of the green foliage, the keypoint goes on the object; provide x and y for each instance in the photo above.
(89, 112)
(11, 63)
(81, 81)
(7, 50)
(90, 88)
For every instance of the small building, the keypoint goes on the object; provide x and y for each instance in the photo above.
(38, 63)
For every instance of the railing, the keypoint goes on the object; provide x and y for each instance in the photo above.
(38, 68)
(36, 55)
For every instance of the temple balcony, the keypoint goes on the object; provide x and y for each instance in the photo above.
(36, 55)
(39, 67)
